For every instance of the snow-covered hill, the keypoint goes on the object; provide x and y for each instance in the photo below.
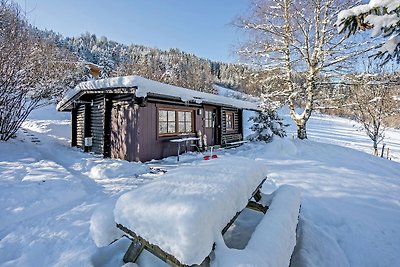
(350, 214)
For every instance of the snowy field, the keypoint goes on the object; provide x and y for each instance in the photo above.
(350, 213)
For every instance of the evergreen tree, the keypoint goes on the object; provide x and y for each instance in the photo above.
(267, 123)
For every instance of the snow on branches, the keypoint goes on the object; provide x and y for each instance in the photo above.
(373, 100)
(382, 17)
(32, 70)
(267, 123)
(293, 39)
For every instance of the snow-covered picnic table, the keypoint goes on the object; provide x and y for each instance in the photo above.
(181, 217)
(184, 212)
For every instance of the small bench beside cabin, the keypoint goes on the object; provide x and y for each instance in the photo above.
(134, 118)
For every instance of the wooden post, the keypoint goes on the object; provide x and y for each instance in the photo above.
(133, 252)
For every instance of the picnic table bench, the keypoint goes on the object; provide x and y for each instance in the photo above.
(235, 144)
(232, 140)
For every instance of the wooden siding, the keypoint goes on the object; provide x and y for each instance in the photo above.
(97, 112)
(150, 144)
(73, 126)
(124, 130)
(125, 127)
(80, 126)
(234, 135)
(223, 121)
(236, 121)
(118, 130)
(107, 126)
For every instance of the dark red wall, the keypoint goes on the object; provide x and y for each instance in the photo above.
(134, 129)
(124, 127)
(150, 144)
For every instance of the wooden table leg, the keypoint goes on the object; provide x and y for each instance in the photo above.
(179, 149)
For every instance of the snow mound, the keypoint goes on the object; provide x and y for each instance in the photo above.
(185, 212)
(106, 169)
(274, 239)
(102, 225)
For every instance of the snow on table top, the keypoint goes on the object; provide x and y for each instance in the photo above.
(185, 139)
(146, 87)
(185, 211)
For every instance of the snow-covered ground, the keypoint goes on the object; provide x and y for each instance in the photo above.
(350, 213)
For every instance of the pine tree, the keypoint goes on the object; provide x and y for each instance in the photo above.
(267, 124)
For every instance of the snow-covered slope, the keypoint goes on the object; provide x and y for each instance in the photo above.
(350, 214)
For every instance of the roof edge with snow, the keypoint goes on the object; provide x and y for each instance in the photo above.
(143, 87)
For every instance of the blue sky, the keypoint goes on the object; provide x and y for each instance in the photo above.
(201, 27)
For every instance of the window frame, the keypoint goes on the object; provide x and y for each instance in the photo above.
(176, 122)
(209, 121)
(185, 121)
(232, 120)
(167, 121)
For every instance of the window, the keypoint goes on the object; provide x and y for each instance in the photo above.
(209, 119)
(185, 121)
(174, 121)
(229, 120)
(166, 121)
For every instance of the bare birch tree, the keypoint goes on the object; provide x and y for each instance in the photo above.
(296, 39)
(374, 99)
(31, 70)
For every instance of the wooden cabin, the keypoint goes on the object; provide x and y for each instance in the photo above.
(135, 119)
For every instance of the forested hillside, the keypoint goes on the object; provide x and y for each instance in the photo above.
(173, 66)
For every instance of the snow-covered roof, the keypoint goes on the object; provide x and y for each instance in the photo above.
(143, 87)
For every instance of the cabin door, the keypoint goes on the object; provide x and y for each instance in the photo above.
(210, 125)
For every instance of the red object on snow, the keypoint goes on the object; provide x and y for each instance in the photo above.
(210, 157)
